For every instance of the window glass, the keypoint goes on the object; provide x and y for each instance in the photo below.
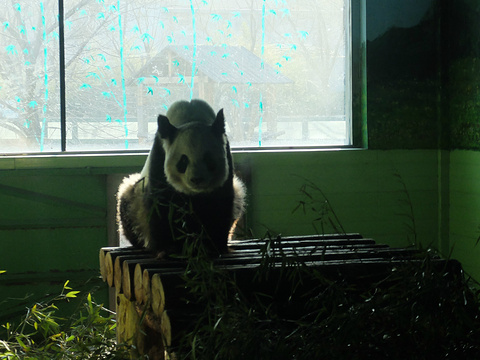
(280, 69)
(29, 90)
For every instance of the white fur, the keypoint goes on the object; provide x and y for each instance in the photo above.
(239, 194)
(131, 192)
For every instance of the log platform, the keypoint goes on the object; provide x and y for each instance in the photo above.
(149, 290)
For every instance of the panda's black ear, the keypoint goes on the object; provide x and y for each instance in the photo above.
(218, 125)
(165, 129)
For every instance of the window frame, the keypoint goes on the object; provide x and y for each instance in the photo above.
(355, 73)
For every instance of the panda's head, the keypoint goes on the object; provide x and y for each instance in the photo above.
(195, 148)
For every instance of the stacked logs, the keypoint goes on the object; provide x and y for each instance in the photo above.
(145, 285)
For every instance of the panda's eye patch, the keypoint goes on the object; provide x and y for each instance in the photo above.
(210, 162)
(182, 164)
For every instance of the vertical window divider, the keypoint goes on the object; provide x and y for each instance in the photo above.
(63, 105)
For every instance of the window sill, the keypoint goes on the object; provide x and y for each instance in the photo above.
(79, 163)
(117, 162)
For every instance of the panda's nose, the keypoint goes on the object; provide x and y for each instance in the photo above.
(197, 180)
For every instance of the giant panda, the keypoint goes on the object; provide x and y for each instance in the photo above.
(187, 188)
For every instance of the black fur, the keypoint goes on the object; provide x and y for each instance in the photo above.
(165, 129)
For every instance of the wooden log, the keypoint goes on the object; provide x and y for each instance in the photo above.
(110, 257)
(140, 294)
(138, 284)
(346, 236)
(117, 274)
(153, 290)
(118, 268)
(101, 257)
(146, 289)
(109, 269)
(157, 294)
(313, 255)
(138, 290)
(315, 240)
(129, 329)
(147, 273)
(307, 250)
(302, 249)
(174, 324)
(155, 340)
(128, 275)
(166, 327)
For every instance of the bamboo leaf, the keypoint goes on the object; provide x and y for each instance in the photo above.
(21, 343)
(65, 285)
(72, 294)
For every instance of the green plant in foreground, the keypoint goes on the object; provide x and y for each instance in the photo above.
(315, 201)
(88, 334)
(415, 310)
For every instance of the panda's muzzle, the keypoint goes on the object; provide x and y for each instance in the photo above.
(197, 180)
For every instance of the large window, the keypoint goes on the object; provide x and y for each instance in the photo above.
(280, 69)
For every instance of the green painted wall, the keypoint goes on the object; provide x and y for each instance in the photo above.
(52, 226)
(465, 208)
(362, 187)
